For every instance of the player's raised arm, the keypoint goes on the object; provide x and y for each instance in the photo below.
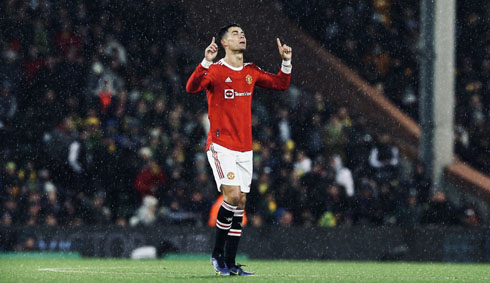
(285, 51)
(281, 80)
(199, 79)
(211, 51)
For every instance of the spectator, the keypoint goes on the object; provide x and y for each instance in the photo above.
(366, 207)
(11, 70)
(150, 179)
(419, 184)
(470, 217)
(115, 48)
(284, 126)
(360, 145)
(199, 206)
(176, 214)
(344, 118)
(101, 214)
(440, 211)
(476, 109)
(105, 98)
(311, 195)
(343, 176)
(6, 220)
(387, 203)
(8, 104)
(9, 179)
(410, 212)
(286, 219)
(26, 244)
(50, 220)
(33, 63)
(336, 137)
(461, 143)
(51, 206)
(70, 214)
(302, 164)
(10, 213)
(257, 221)
(65, 39)
(336, 204)
(384, 159)
(147, 213)
(314, 142)
(32, 210)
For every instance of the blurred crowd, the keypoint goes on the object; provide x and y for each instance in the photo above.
(379, 40)
(96, 128)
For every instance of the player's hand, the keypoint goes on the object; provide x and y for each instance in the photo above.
(285, 51)
(211, 51)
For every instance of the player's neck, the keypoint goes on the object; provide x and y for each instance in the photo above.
(234, 59)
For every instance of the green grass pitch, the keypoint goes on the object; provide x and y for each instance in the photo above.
(175, 270)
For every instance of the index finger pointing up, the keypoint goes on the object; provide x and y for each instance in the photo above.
(212, 41)
(279, 43)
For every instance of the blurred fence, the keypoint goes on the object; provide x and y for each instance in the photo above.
(355, 243)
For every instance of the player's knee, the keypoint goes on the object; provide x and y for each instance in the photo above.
(231, 194)
(243, 201)
(234, 199)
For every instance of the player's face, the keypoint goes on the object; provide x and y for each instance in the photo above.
(236, 40)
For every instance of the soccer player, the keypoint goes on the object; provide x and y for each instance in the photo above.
(229, 85)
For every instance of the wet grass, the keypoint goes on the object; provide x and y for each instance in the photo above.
(176, 270)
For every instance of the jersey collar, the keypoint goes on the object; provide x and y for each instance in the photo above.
(230, 66)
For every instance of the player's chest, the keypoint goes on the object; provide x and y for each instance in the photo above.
(236, 85)
(244, 79)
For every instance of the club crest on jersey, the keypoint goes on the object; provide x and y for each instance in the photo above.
(230, 175)
(229, 93)
(248, 78)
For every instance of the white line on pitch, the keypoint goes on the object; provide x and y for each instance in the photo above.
(75, 270)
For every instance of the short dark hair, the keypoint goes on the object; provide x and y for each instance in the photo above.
(224, 29)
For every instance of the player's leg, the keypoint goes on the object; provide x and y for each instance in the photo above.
(234, 235)
(223, 224)
(235, 232)
(224, 220)
(221, 161)
(233, 240)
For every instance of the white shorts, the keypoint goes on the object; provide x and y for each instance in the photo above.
(230, 167)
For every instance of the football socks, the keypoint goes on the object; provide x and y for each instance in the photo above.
(234, 235)
(223, 225)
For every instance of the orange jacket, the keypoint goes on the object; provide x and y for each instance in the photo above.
(213, 213)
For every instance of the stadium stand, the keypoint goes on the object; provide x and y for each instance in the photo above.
(378, 39)
(94, 118)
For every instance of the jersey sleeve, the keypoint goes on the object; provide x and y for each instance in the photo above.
(280, 81)
(199, 80)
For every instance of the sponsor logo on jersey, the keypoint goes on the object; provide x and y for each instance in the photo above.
(248, 78)
(228, 80)
(231, 93)
(230, 175)
(246, 93)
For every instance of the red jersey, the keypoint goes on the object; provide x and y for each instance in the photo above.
(229, 93)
